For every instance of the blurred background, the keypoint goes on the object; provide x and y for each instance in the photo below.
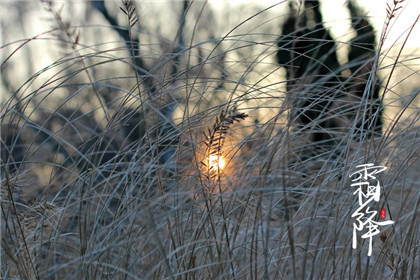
(251, 27)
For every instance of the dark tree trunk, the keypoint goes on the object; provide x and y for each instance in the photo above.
(315, 85)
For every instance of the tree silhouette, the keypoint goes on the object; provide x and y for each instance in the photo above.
(327, 101)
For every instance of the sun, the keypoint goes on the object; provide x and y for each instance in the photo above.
(217, 162)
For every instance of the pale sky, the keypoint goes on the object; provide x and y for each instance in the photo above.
(335, 13)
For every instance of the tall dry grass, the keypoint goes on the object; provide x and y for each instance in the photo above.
(106, 169)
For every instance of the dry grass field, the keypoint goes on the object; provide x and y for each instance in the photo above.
(195, 153)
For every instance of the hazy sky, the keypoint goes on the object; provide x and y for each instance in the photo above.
(335, 14)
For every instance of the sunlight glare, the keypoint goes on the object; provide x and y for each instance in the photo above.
(217, 162)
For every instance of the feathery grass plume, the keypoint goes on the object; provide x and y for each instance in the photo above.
(215, 138)
(130, 11)
(67, 34)
(392, 11)
(70, 35)
(213, 164)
